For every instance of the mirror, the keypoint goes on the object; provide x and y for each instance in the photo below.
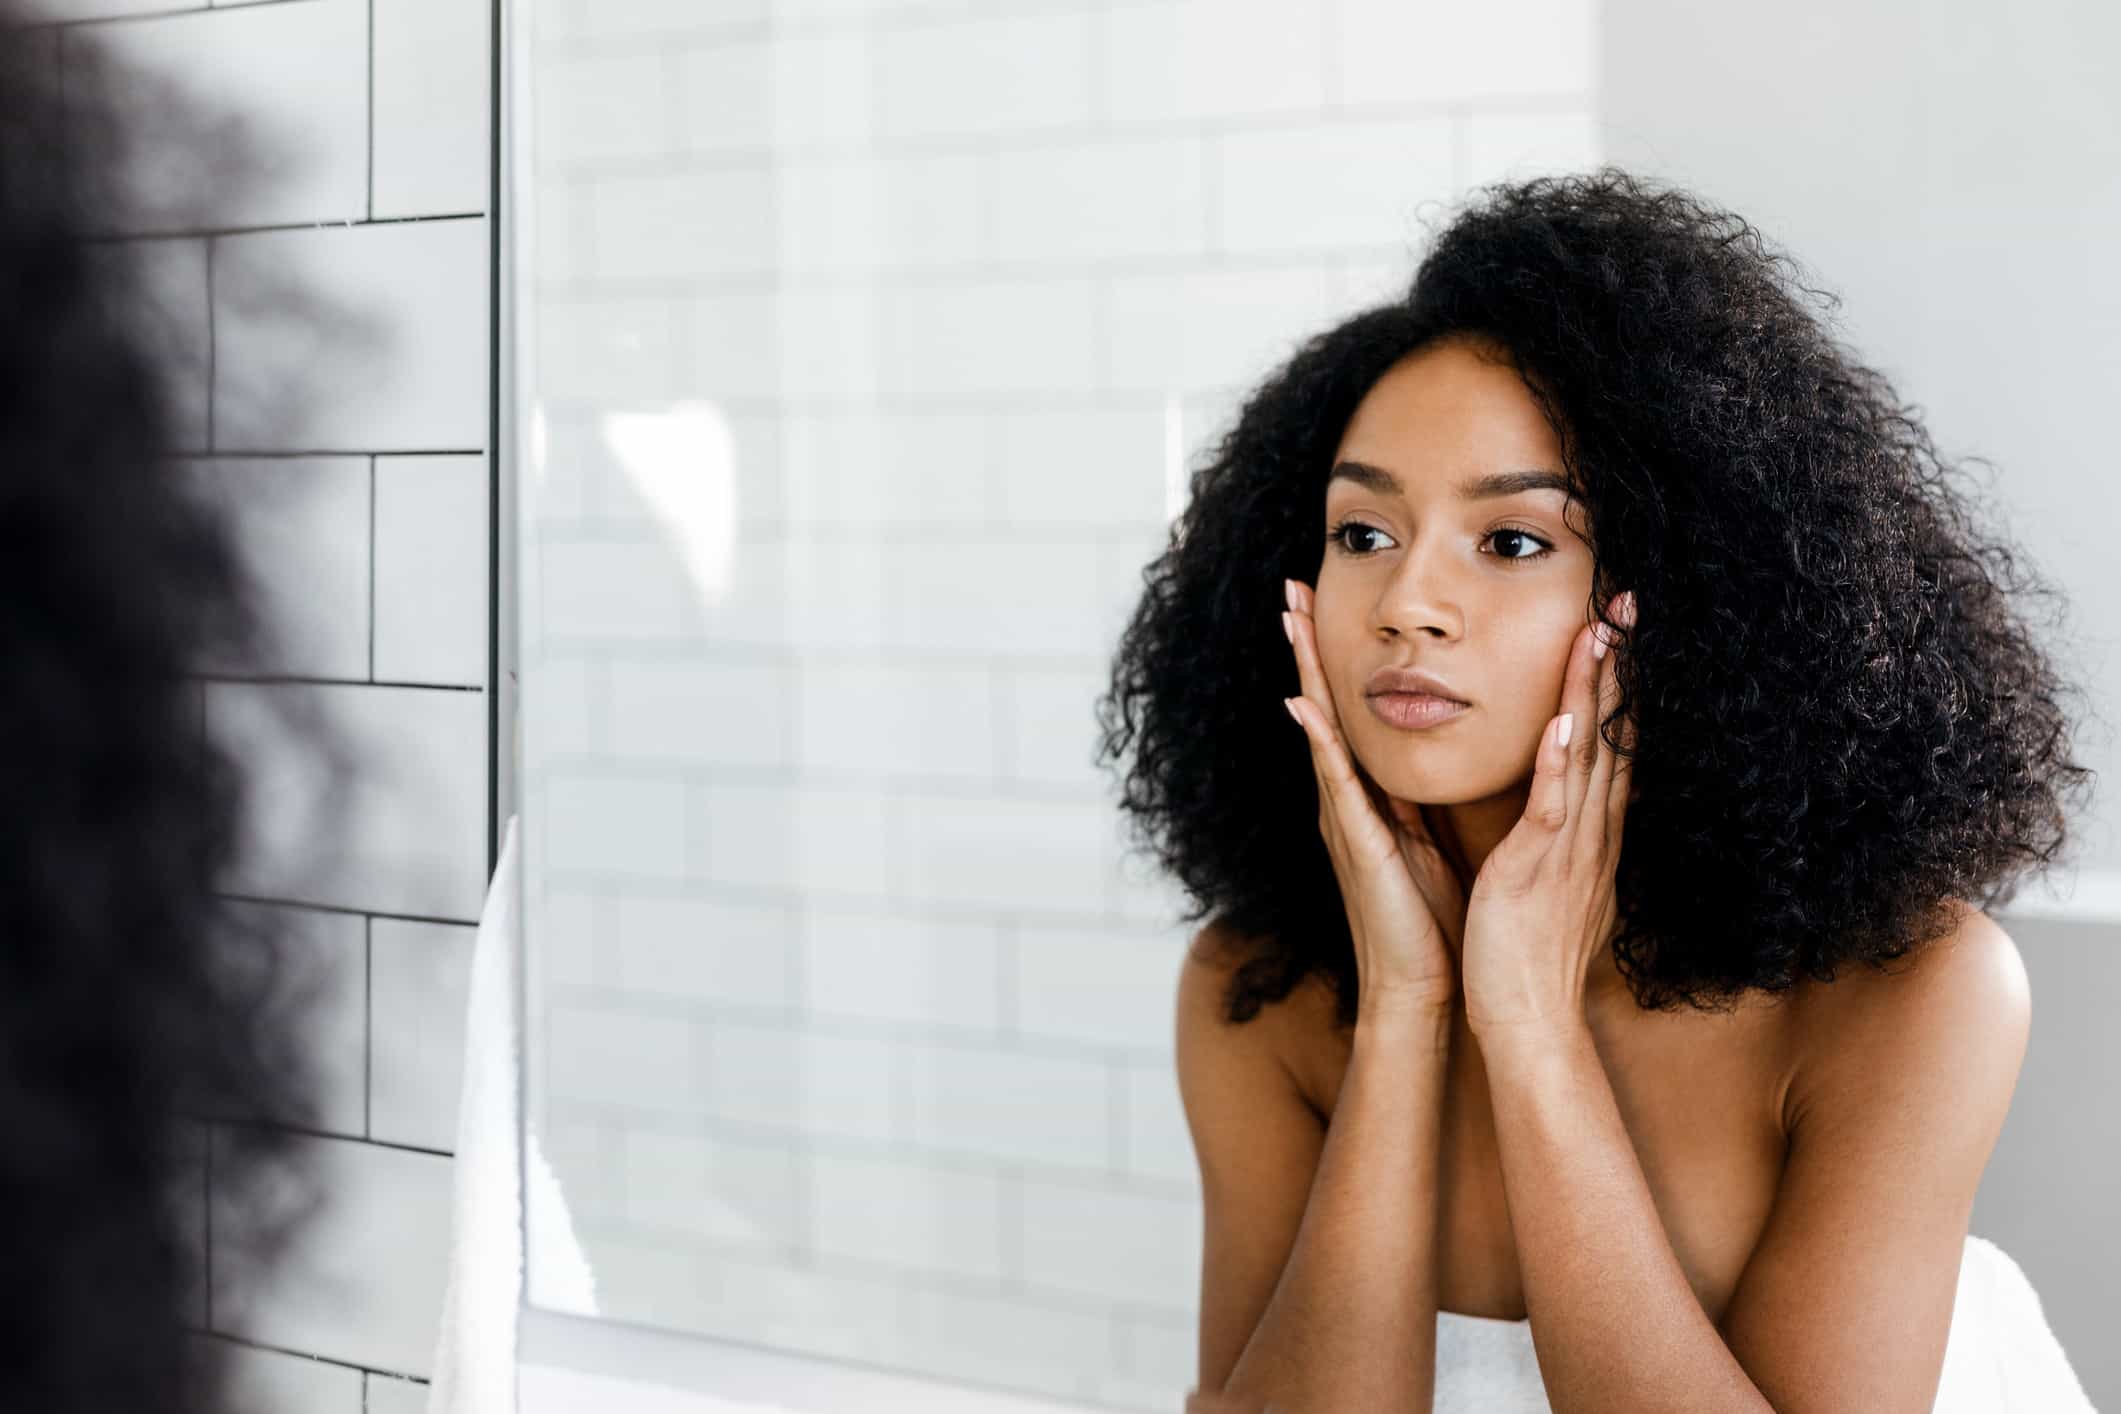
(872, 346)
(871, 356)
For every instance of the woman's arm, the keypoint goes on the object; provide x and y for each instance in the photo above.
(1615, 1323)
(1352, 1322)
(1846, 1302)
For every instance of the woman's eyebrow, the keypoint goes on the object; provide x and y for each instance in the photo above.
(1477, 488)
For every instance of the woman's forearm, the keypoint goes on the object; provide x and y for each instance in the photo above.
(1352, 1322)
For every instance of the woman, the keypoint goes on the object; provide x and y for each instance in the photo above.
(1596, 535)
(141, 1018)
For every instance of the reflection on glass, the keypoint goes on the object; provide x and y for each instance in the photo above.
(873, 350)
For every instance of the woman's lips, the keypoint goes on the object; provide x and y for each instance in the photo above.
(1414, 710)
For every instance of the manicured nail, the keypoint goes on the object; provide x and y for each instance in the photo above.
(1567, 727)
(1598, 644)
(1288, 626)
(1289, 705)
(1288, 591)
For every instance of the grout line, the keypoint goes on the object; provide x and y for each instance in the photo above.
(770, 156)
(1119, 1156)
(300, 680)
(368, 1028)
(310, 1355)
(1006, 976)
(496, 446)
(176, 12)
(1330, 84)
(1010, 1180)
(210, 371)
(371, 109)
(1010, 1038)
(212, 454)
(371, 568)
(370, 913)
(337, 1136)
(268, 228)
(925, 1279)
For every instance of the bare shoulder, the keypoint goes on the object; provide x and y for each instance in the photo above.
(1973, 966)
(1256, 1140)
(1287, 1028)
(1963, 997)
(1213, 958)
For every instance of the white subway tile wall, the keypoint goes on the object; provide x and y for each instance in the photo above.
(402, 364)
(411, 823)
(295, 1384)
(329, 966)
(431, 132)
(419, 977)
(365, 522)
(852, 1019)
(174, 272)
(432, 524)
(292, 516)
(389, 1394)
(364, 1288)
(303, 106)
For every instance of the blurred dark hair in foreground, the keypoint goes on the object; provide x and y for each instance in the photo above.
(151, 1029)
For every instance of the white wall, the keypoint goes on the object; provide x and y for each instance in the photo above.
(855, 1031)
(370, 531)
(1949, 170)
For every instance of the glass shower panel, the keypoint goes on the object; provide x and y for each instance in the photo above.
(870, 348)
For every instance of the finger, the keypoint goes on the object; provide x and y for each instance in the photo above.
(1548, 803)
(1303, 639)
(1598, 792)
(1310, 677)
(1341, 794)
(1328, 815)
(1579, 698)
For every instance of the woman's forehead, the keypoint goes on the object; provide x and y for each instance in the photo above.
(1445, 413)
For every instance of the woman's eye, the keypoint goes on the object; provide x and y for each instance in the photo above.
(1339, 535)
(1517, 539)
(1523, 536)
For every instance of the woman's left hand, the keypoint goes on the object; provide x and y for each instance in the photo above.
(1542, 907)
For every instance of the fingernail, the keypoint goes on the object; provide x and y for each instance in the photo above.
(1566, 729)
(1288, 591)
(1289, 706)
(1288, 627)
(1598, 644)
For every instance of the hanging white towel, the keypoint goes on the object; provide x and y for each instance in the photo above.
(475, 1349)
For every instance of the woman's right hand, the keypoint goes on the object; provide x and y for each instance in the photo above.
(1402, 897)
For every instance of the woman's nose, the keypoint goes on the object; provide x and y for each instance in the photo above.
(1419, 597)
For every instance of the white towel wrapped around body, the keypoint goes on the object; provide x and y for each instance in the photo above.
(2001, 1356)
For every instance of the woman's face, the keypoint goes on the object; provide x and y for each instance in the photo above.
(1485, 591)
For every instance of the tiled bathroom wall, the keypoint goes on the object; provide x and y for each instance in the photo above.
(874, 345)
(369, 532)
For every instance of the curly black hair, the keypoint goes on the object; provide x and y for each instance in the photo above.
(1845, 725)
(149, 1027)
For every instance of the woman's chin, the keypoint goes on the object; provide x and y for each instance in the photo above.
(1409, 785)
(1411, 788)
